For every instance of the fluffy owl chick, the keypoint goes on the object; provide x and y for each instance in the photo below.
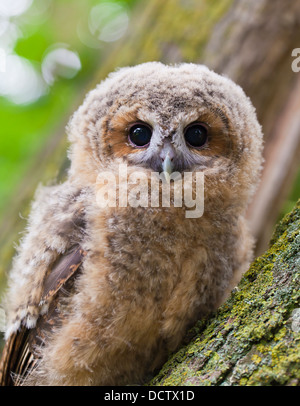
(101, 295)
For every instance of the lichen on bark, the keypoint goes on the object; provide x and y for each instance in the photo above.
(254, 338)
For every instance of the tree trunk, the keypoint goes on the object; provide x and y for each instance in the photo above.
(254, 337)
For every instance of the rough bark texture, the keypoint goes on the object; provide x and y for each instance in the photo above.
(254, 338)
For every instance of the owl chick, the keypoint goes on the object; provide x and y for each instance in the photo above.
(102, 295)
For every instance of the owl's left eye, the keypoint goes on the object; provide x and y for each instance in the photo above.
(140, 135)
(196, 134)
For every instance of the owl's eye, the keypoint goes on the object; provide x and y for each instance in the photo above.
(140, 135)
(196, 135)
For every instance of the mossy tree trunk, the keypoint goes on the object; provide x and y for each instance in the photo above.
(254, 338)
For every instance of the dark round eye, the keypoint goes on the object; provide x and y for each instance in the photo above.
(140, 135)
(196, 135)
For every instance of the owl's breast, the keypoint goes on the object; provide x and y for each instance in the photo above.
(147, 277)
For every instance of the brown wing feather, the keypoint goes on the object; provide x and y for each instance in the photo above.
(11, 354)
(18, 356)
(63, 270)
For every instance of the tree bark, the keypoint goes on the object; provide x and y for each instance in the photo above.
(254, 338)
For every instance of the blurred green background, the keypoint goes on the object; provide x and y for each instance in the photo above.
(49, 49)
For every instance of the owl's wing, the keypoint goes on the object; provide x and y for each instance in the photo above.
(18, 357)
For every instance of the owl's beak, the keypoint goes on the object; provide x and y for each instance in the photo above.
(167, 155)
(168, 165)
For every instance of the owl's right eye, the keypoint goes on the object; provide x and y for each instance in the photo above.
(140, 135)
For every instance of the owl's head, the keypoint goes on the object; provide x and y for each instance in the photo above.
(174, 118)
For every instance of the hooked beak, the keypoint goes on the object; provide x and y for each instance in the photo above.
(167, 165)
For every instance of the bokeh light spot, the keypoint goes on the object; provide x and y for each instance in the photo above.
(60, 62)
(108, 21)
(10, 8)
(20, 81)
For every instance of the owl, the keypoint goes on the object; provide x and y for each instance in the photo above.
(103, 294)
